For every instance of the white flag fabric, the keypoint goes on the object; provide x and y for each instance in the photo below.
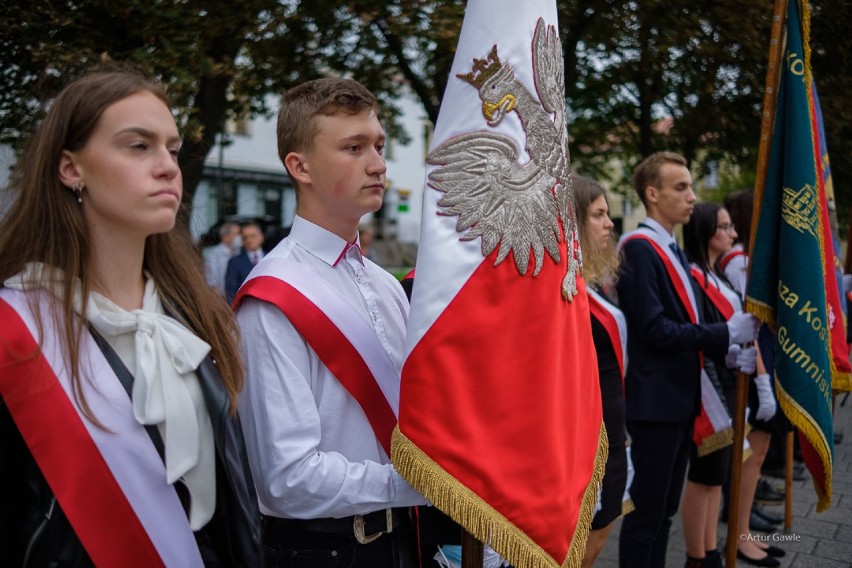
(500, 414)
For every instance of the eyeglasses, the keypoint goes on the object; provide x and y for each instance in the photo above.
(727, 227)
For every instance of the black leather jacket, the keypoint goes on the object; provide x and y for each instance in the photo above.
(35, 532)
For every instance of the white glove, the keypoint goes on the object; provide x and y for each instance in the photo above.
(766, 398)
(742, 328)
(731, 358)
(747, 360)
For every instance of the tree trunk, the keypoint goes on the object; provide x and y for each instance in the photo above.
(211, 102)
(210, 106)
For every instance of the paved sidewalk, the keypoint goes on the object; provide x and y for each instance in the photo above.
(819, 540)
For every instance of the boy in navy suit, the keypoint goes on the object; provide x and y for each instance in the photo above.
(665, 338)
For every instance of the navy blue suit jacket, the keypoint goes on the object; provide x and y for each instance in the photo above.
(662, 382)
(238, 270)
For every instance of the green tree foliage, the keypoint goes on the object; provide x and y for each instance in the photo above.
(221, 60)
(194, 49)
(640, 75)
(656, 75)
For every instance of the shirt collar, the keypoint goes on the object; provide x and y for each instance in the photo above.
(659, 229)
(323, 244)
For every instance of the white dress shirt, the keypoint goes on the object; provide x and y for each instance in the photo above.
(312, 451)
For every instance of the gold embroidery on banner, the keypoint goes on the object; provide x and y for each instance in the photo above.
(516, 206)
(798, 209)
(481, 519)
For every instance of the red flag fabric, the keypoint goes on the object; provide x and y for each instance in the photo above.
(500, 414)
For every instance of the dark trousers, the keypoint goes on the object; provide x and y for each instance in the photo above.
(291, 547)
(660, 452)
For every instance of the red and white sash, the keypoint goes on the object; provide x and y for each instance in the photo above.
(723, 298)
(677, 274)
(613, 321)
(736, 272)
(729, 255)
(110, 481)
(344, 341)
(712, 429)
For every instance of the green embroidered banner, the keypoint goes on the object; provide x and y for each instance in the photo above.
(792, 283)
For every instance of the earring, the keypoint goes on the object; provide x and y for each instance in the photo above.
(77, 188)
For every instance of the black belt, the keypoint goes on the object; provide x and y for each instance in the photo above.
(365, 528)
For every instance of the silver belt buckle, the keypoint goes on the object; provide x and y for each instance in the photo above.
(358, 528)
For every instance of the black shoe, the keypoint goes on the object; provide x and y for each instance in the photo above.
(766, 515)
(767, 560)
(712, 559)
(766, 494)
(774, 551)
(758, 523)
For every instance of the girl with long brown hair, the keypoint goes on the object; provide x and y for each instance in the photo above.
(119, 367)
(609, 332)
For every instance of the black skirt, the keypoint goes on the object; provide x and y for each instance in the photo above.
(612, 399)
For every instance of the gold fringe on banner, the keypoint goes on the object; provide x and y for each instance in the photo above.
(805, 424)
(483, 521)
(841, 381)
(716, 441)
(763, 312)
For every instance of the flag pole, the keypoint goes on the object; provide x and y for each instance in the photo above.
(473, 551)
(736, 470)
(788, 483)
(766, 126)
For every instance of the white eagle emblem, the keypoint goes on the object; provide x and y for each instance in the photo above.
(517, 206)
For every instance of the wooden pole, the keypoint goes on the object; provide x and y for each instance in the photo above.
(767, 123)
(736, 471)
(473, 552)
(788, 484)
(773, 74)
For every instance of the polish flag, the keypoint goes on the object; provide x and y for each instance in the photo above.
(500, 412)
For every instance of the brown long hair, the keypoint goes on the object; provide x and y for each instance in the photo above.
(598, 264)
(740, 205)
(44, 223)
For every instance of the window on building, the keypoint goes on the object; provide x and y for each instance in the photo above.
(271, 205)
(227, 198)
(239, 127)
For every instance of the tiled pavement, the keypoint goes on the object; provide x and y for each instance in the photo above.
(818, 540)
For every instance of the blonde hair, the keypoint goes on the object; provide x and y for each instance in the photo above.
(44, 223)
